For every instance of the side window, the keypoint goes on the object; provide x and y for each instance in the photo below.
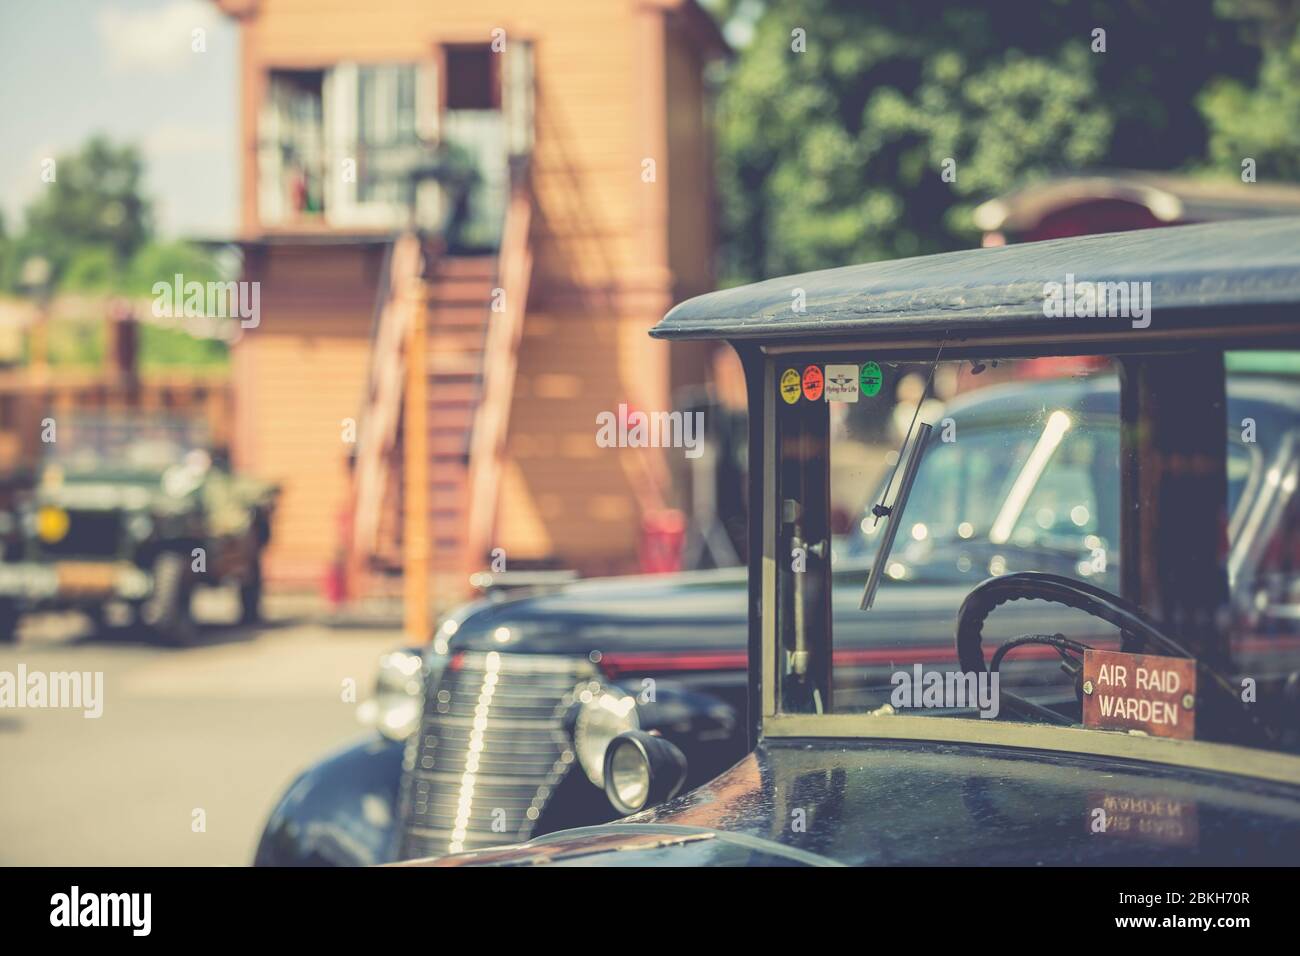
(1279, 570)
(1264, 513)
(1245, 471)
(1267, 549)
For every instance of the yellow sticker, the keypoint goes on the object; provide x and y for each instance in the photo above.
(51, 524)
(791, 386)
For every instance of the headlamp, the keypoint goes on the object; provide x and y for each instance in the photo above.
(603, 714)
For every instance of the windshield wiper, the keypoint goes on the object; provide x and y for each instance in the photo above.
(894, 513)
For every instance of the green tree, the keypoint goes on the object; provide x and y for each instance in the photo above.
(6, 253)
(1260, 121)
(835, 154)
(94, 202)
(159, 261)
(91, 269)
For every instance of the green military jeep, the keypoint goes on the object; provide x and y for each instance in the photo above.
(132, 509)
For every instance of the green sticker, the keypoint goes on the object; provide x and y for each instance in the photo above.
(870, 379)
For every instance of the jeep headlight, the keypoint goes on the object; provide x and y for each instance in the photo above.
(179, 480)
(139, 526)
(603, 714)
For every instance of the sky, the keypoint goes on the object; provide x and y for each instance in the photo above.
(125, 68)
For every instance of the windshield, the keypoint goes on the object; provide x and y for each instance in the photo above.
(125, 442)
(1023, 472)
(1029, 485)
(1035, 474)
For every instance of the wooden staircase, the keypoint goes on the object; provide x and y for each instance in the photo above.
(423, 425)
(434, 428)
(458, 311)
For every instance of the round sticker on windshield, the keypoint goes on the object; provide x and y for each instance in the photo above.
(813, 382)
(870, 379)
(790, 386)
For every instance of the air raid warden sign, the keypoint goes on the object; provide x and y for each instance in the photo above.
(1139, 692)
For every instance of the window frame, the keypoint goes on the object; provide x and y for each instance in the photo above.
(764, 365)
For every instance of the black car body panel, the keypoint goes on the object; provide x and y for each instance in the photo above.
(1195, 272)
(882, 803)
(338, 812)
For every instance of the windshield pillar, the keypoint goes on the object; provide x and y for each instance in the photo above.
(801, 504)
(1174, 496)
(762, 535)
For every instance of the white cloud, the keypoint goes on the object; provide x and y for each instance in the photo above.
(157, 40)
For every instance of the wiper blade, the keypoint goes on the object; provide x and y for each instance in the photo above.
(894, 513)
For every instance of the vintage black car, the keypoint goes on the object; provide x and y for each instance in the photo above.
(1175, 744)
(571, 668)
(132, 508)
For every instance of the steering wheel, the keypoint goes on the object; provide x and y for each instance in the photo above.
(1111, 608)
(1039, 585)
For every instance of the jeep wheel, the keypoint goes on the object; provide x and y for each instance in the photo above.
(98, 619)
(8, 621)
(166, 613)
(250, 594)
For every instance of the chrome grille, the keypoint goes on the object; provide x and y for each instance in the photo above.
(490, 751)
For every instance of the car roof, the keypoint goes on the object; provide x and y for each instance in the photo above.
(1193, 271)
(1169, 197)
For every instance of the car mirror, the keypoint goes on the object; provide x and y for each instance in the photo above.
(642, 770)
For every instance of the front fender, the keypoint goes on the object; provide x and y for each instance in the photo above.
(341, 811)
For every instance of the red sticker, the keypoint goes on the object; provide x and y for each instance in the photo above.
(813, 382)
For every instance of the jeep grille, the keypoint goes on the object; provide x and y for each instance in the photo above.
(91, 534)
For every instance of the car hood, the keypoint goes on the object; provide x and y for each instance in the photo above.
(704, 613)
(878, 803)
(651, 613)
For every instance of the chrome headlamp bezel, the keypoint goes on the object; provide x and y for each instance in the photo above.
(394, 708)
(602, 714)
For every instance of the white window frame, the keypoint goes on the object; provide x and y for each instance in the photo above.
(343, 132)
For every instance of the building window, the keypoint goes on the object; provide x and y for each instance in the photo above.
(472, 79)
(291, 146)
(387, 140)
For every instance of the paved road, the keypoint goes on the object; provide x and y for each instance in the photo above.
(221, 727)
